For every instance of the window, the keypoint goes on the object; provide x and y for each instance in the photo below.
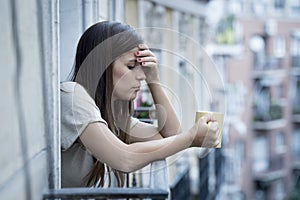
(260, 154)
(280, 142)
(295, 143)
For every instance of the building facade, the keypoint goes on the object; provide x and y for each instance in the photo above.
(240, 58)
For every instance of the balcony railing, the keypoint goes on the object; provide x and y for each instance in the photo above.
(180, 188)
(105, 193)
(295, 61)
(269, 125)
(273, 173)
(158, 188)
(204, 175)
(264, 179)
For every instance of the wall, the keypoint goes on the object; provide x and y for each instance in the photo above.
(25, 83)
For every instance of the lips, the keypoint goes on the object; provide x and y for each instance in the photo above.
(137, 88)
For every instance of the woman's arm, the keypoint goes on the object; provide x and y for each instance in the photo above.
(106, 147)
(168, 123)
(143, 132)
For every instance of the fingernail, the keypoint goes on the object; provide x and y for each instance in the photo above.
(139, 59)
(143, 63)
(137, 53)
(140, 45)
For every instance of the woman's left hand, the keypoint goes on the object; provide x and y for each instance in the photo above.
(148, 62)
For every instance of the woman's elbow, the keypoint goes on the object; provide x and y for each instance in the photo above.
(128, 166)
(130, 163)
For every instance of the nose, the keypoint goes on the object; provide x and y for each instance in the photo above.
(140, 74)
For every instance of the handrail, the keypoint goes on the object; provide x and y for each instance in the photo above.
(180, 177)
(158, 188)
(100, 193)
(180, 188)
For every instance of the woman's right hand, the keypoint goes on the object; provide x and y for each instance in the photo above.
(204, 132)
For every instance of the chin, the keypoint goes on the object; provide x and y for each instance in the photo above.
(128, 98)
(133, 96)
(124, 97)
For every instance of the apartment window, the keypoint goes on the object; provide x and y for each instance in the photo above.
(294, 7)
(260, 154)
(295, 47)
(240, 156)
(295, 143)
(279, 5)
(279, 190)
(296, 94)
(280, 142)
(279, 48)
(259, 7)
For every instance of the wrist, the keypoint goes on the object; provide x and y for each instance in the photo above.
(191, 134)
(152, 81)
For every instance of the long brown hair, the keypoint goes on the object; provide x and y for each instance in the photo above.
(98, 47)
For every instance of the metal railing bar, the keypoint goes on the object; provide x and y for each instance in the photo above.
(101, 193)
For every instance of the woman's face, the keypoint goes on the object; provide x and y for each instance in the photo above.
(127, 76)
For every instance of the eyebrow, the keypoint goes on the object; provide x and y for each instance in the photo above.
(132, 60)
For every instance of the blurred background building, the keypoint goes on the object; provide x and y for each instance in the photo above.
(240, 57)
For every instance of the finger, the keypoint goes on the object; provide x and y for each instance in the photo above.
(216, 143)
(143, 46)
(147, 59)
(207, 118)
(143, 53)
(210, 142)
(148, 64)
(213, 118)
(214, 126)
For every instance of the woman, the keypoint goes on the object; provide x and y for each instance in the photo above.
(99, 134)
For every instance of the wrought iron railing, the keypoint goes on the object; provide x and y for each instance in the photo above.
(105, 193)
(158, 188)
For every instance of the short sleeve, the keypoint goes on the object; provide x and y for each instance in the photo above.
(78, 109)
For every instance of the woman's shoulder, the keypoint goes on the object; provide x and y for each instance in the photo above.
(75, 89)
(70, 86)
(78, 110)
(67, 86)
(72, 93)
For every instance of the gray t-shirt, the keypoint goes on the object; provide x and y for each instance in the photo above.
(78, 110)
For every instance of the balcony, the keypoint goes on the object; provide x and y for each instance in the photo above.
(272, 74)
(263, 62)
(268, 117)
(295, 71)
(296, 165)
(104, 193)
(156, 188)
(224, 49)
(296, 62)
(265, 179)
(274, 172)
(296, 118)
(269, 125)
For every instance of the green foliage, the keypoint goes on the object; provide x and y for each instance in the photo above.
(226, 33)
(143, 114)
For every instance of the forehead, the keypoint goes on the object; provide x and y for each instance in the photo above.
(128, 55)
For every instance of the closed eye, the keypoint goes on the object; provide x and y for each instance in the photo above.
(131, 66)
